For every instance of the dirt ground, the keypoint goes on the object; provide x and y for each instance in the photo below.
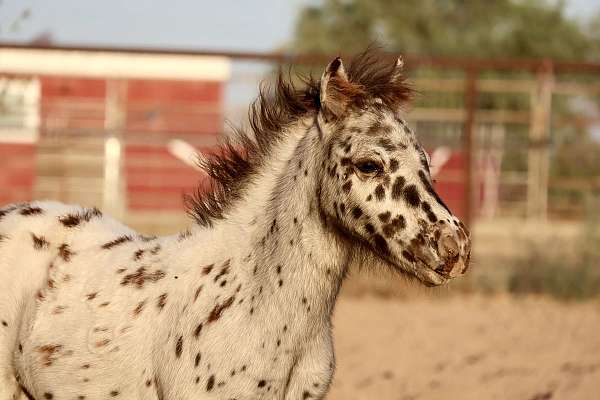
(466, 347)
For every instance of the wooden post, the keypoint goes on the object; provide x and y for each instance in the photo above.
(114, 123)
(538, 153)
(469, 147)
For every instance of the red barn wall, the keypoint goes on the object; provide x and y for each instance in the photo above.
(71, 103)
(170, 108)
(18, 172)
(174, 107)
(155, 180)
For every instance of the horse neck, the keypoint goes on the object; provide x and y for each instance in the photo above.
(277, 232)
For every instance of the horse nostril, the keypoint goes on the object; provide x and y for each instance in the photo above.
(448, 247)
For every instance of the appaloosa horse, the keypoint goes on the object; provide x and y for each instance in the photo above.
(239, 306)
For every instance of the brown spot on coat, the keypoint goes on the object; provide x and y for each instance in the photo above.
(397, 187)
(347, 186)
(210, 383)
(140, 277)
(217, 311)
(49, 353)
(374, 129)
(346, 161)
(198, 330)
(430, 214)
(116, 242)
(30, 210)
(179, 347)
(224, 271)
(385, 217)
(379, 192)
(198, 291)
(39, 242)
(91, 296)
(138, 254)
(386, 144)
(72, 220)
(102, 343)
(411, 195)
(64, 251)
(162, 301)
(394, 226)
(58, 310)
(139, 308)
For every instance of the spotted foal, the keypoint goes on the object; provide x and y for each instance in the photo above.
(239, 306)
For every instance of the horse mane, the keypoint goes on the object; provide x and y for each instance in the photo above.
(240, 156)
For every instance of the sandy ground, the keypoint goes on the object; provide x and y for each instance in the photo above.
(466, 347)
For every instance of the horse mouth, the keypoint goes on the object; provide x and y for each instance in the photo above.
(429, 277)
(422, 272)
(433, 271)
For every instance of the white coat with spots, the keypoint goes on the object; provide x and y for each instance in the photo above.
(239, 306)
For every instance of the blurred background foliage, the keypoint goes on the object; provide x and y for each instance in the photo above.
(555, 273)
(471, 28)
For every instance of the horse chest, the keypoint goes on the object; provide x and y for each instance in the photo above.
(230, 360)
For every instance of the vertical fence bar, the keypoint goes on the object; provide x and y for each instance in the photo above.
(538, 162)
(469, 146)
(114, 123)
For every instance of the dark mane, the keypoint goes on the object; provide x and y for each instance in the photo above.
(233, 167)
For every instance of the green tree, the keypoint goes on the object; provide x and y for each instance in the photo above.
(479, 28)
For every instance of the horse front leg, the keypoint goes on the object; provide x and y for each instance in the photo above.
(311, 376)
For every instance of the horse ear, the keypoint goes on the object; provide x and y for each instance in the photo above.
(336, 90)
(398, 69)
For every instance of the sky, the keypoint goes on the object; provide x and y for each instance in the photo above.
(224, 24)
(248, 25)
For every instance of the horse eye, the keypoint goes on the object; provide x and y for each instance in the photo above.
(368, 167)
